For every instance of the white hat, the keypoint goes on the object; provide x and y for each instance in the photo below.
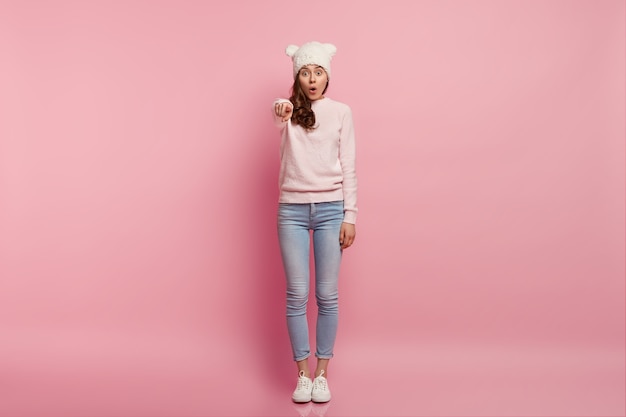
(312, 53)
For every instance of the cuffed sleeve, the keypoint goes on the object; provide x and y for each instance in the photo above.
(347, 158)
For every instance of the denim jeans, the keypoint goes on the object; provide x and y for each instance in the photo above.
(295, 221)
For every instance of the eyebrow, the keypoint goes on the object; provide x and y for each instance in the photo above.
(308, 69)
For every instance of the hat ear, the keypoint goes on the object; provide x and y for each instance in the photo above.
(291, 50)
(330, 48)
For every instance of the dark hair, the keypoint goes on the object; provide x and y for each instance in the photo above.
(303, 115)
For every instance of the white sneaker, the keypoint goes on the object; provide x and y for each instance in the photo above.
(302, 393)
(320, 393)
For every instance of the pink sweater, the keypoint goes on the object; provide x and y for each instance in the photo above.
(319, 165)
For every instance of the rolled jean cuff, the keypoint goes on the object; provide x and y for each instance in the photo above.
(324, 356)
(303, 358)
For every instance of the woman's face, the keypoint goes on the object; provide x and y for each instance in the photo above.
(313, 80)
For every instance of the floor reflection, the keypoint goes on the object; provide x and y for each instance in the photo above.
(311, 409)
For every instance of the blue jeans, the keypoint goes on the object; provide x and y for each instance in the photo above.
(295, 221)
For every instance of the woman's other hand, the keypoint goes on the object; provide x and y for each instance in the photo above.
(347, 235)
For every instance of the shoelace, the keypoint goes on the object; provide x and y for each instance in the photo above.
(320, 382)
(303, 381)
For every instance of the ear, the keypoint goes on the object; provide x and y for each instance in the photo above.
(330, 48)
(291, 50)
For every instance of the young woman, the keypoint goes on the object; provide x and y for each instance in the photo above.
(318, 189)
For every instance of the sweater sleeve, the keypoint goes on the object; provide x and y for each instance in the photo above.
(277, 120)
(347, 157)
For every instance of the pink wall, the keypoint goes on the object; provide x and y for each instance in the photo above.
(138, 168)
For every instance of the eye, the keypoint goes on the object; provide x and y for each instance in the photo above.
(318, 73)
(304, 73)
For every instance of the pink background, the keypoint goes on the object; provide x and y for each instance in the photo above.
(139, 268)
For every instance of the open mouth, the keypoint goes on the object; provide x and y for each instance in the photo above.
(312, 90)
